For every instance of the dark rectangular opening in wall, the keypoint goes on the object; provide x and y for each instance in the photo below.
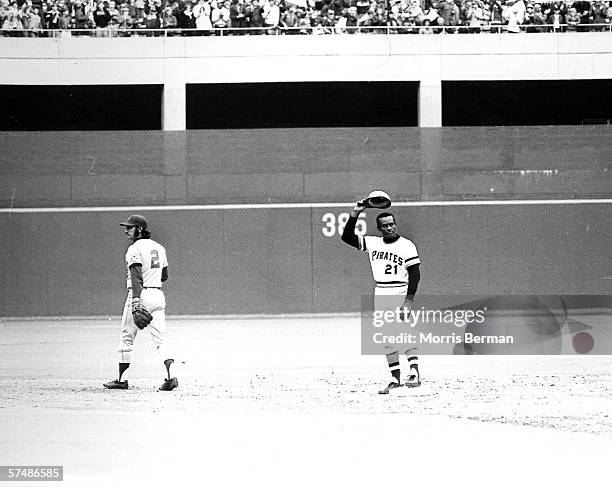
(286, 105)
(99, 107)
(553, 102)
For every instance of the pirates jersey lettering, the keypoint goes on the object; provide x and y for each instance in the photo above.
(389, 261)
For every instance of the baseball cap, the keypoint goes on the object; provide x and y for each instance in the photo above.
(135, 221)
(378, 199)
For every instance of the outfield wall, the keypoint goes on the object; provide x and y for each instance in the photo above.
(279, 260)
(39, 169)
(283, 258)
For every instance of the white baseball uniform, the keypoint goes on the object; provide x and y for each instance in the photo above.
(152, 257)
(389, 263)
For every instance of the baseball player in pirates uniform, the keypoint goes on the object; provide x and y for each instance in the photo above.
(147, 268)
(395, 267)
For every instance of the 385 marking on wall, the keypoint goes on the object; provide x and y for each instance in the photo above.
(335, 224)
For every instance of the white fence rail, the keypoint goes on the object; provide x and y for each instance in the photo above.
(279, 30)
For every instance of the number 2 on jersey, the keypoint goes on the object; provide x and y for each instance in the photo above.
(389, 267)
(154, 259)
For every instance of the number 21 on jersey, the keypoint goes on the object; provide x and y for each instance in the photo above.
(391, 269)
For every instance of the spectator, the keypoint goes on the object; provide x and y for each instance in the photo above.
(24, 15)
(528, 20)
(153, 22)
(304, 24)
(113, 21)
(426, 27)
(598, 15)
(362, 6)
(572, 20)
(430, 13)
(65, 20)
(256, 16)
(289, 20)
(496, 16)
(101, 19)
(319, 16)
(472, 16)
(81, 20)
(406, 21)
(238, 16)
(485, 17)
(394, 20)
(341, 22)
(220, 15)
(538, 19)
(335, 6)
(415, 12)
(52, 18)
(186, 18)
(317, 27)
(363, 21)
(248, 15)
(216, 17)
(168, 20)
(555, 19)
(583, 8)
(514, 14)
(379, 19)
(125, 20)
(449, 12)
(34, 21)
(328, 21)
(271, 15)
(440, 26)
(12, 19)
(140, 13)
(201, 12)
(351, 20)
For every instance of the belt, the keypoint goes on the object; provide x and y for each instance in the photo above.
(151, 287)
(391, 284)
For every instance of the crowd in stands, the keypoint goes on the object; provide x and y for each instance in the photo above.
(230, 17)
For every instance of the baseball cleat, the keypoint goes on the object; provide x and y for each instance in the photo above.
(392, 385)
(115, 384)
(413, 381)
(169, 384)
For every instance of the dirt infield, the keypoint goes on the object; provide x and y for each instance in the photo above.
(292, 402)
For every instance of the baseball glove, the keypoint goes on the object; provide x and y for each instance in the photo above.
(141, 316)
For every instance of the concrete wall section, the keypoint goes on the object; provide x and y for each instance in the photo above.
(239, 59)
(176, 61)
(292, 260)
(302, 165)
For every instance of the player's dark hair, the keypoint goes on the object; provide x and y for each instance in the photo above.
(383, 215)
(142, 233)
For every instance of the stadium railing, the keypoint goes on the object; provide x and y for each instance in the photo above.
(311, 30)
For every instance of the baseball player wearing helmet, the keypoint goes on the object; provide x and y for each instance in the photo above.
(395, 267)
(147, 268)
